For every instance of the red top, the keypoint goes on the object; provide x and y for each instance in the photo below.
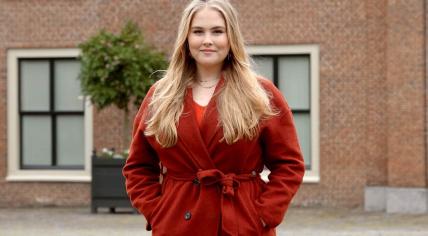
(199, 112)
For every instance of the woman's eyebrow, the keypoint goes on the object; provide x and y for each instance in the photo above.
(218, 27)
(215, 27)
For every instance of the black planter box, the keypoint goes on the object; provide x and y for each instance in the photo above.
(108, 184)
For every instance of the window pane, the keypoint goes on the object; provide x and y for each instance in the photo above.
(34, 84)
(67, 86)
(36, 140)
(294, 80)
(303, 127)
(264, 66)
(70, 140)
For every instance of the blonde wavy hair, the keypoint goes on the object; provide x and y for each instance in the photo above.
(241, 103)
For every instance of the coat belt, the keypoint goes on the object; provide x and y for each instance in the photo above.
(228, 183)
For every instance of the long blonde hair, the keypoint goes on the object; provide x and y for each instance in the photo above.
(241, 103)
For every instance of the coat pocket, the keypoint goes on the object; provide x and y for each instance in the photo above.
(256, 217)
(159, 204)
(156, 208)
(252, 193)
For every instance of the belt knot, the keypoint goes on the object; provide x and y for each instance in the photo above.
(229, 182)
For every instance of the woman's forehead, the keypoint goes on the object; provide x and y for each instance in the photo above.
(208, 18)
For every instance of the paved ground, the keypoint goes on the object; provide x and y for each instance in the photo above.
(299, 222)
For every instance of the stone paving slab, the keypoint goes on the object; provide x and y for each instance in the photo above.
(299, 222)
(335, 222)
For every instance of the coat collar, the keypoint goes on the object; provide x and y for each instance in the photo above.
(199, 141)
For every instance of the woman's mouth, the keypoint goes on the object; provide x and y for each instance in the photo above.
(207, 50)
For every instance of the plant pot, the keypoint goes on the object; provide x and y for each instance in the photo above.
(108, 184)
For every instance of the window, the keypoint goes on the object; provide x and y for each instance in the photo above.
(294, 70)
(49, 123)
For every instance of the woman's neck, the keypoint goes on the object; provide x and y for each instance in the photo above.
(208, 74)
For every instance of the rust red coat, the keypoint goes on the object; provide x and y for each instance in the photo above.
(212, 188)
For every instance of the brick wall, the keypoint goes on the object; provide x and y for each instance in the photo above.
(372, 72)
(406, 94)
(376, 143)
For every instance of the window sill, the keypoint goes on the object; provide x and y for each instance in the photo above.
(308, 178)
(49, 176)
(311, 179)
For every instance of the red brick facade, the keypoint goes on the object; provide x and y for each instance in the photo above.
(372, 83)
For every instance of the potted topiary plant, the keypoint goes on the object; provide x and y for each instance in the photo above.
(116, 70)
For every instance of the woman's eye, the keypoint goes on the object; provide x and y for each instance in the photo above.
(218, 31)
(197, 32)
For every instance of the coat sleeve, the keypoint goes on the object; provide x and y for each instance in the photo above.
(283, 157)
(141, 170)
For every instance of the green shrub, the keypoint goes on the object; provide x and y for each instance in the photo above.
(119, 69)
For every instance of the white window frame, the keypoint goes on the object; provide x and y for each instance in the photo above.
(14, 173)
(313, 175)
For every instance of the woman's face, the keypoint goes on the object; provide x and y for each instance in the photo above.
(207, 38)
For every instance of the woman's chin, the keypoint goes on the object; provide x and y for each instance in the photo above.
(209, 63)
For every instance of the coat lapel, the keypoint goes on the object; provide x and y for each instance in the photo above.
(190, 137)
(196, 140)
(210, 123)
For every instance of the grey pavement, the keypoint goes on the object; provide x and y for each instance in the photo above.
(299, 222)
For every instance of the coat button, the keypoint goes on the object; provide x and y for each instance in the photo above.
(253, 173)
(195, 181)
(187, 215)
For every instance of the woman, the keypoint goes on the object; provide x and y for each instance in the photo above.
(214, 125)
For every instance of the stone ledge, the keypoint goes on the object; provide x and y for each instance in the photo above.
(396, 200)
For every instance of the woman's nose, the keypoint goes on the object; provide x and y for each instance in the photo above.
(207, 40)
